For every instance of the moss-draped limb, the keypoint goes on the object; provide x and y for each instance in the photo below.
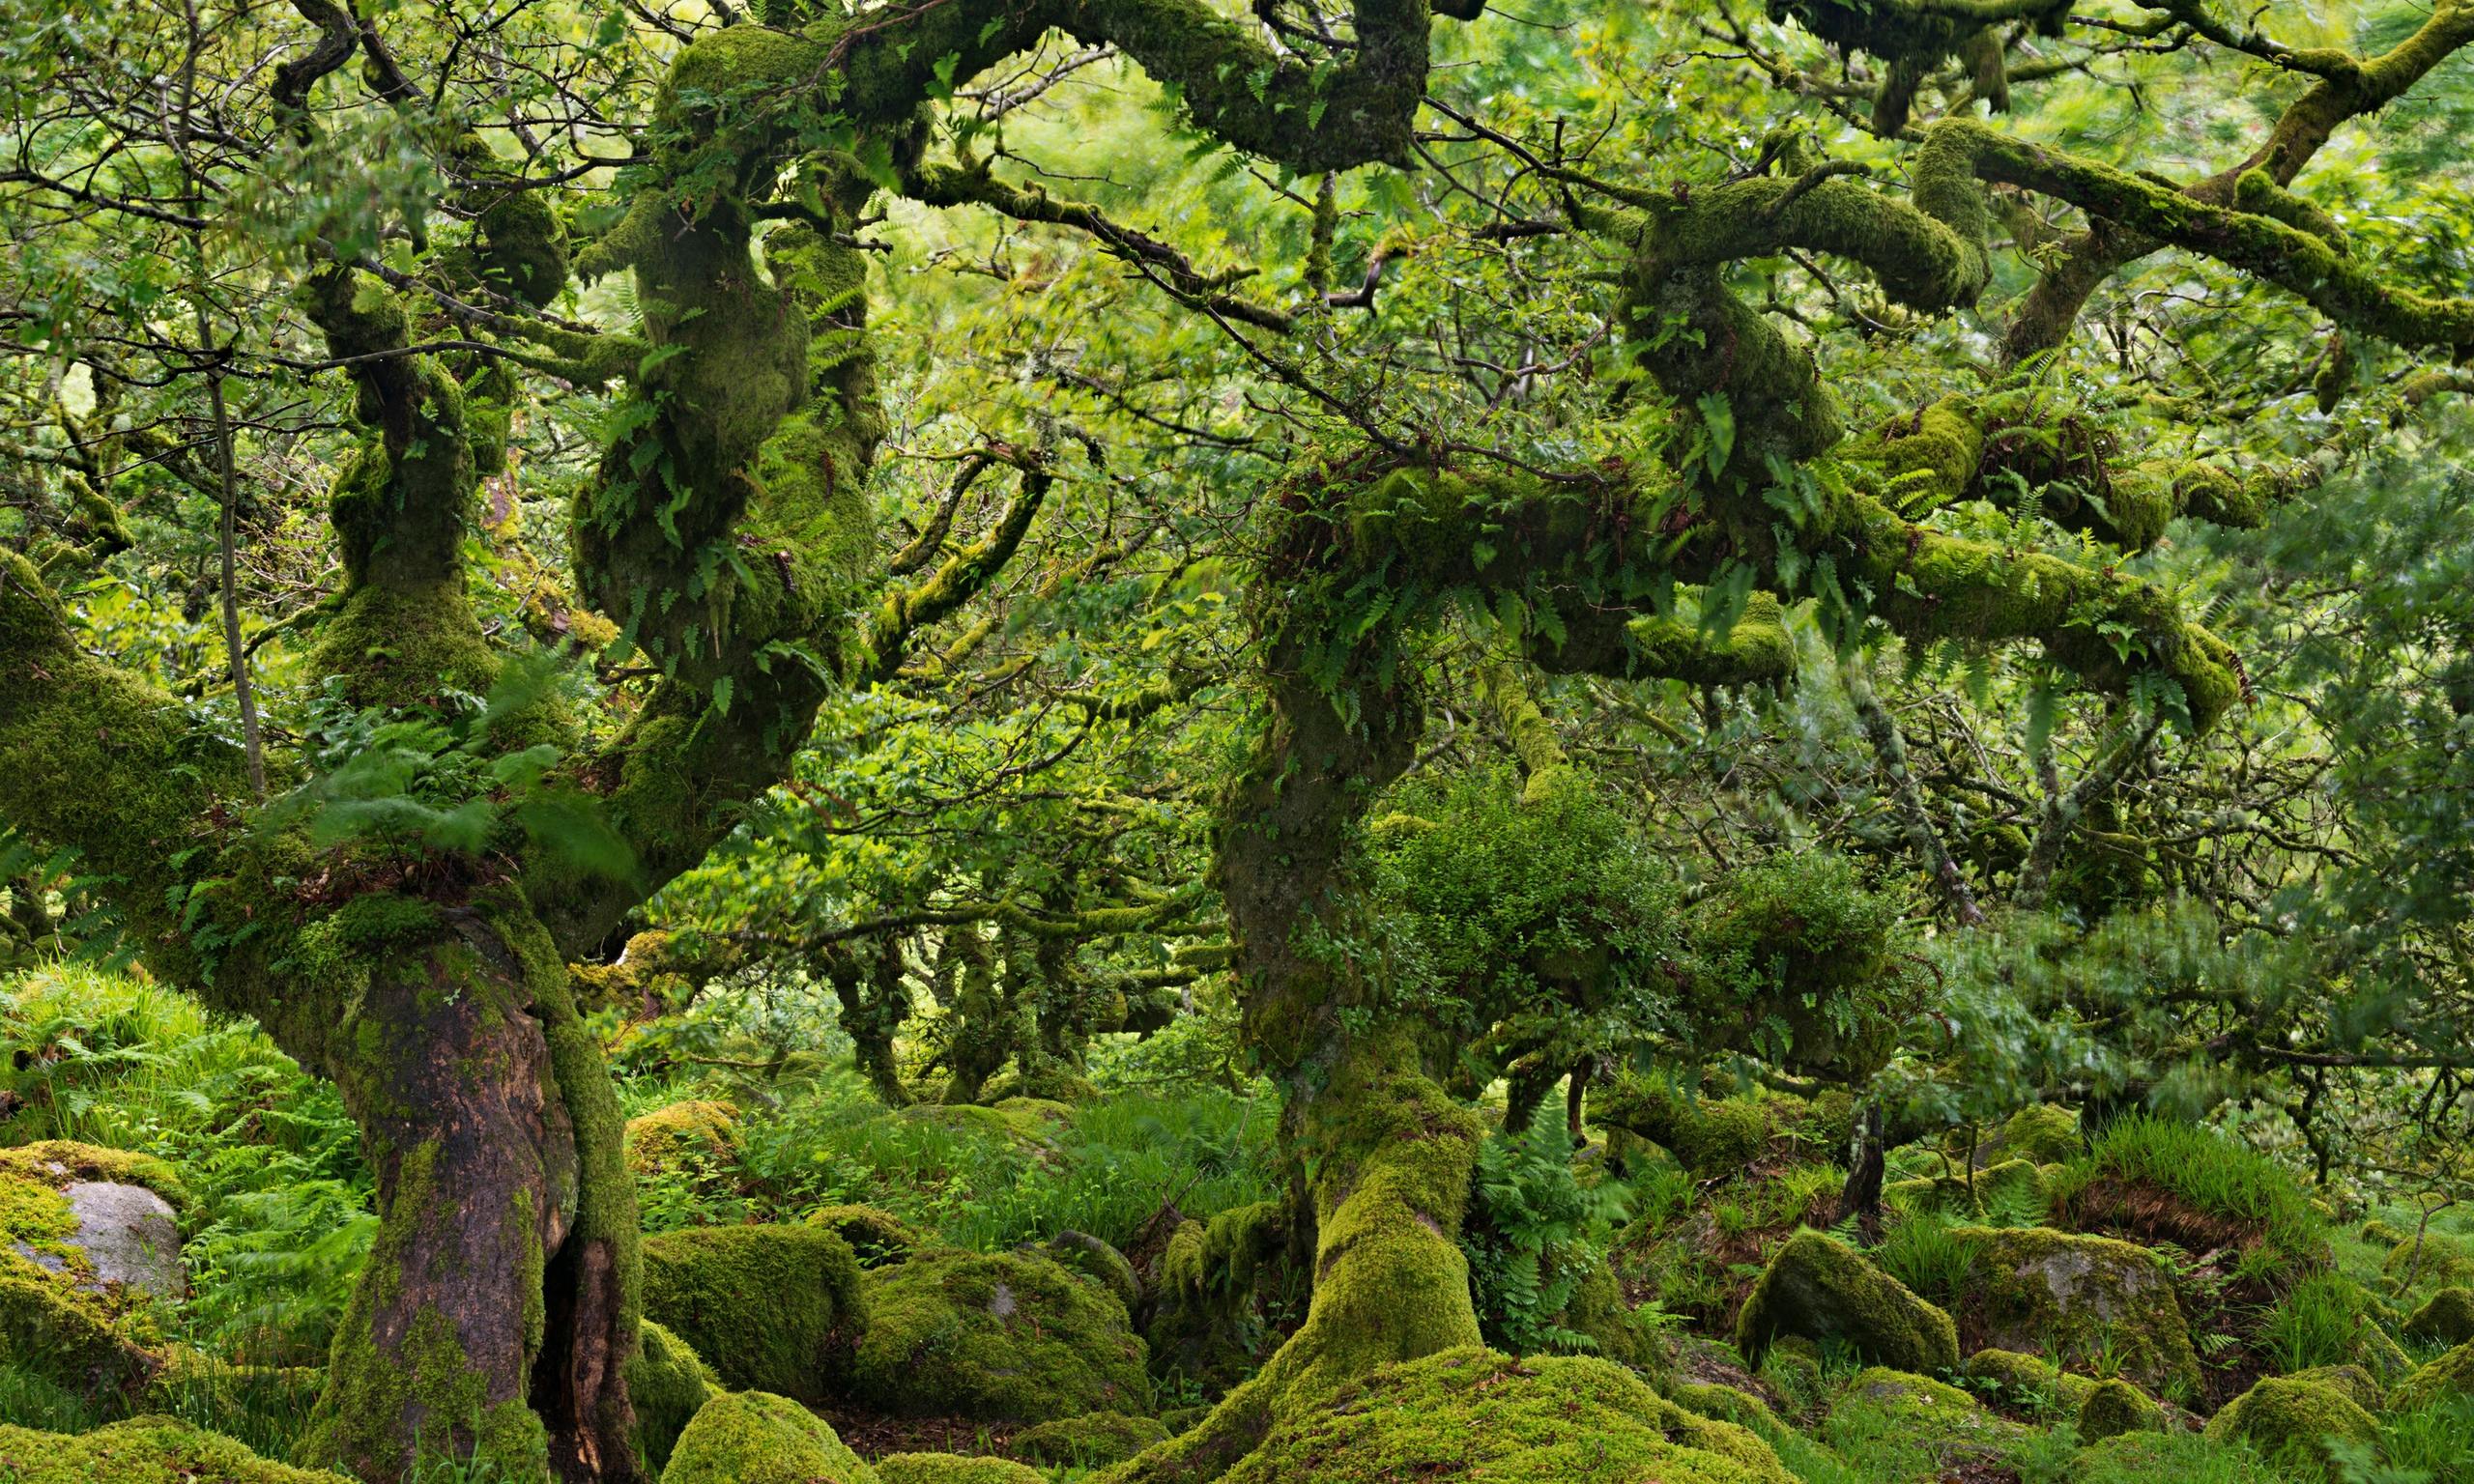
(907, 608)
(1913, 37)
(2297, 258)
(2044, 318)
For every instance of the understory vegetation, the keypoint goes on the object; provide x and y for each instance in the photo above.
(1180, 742)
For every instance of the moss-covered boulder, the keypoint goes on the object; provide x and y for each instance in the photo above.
(2449, 1374)
(877, 1236)
(2446, 1318)
(2021, 1379)
(770, 1308)
(2435, 1257)
(2290, 1419)
(954, 1469)
(1048, 1082)
(2043, 1134)
(1089, 1440)
(1472, 1414)
(1725, 1404)
(103, 1219)
(996, 1337)
(1928, 1414)
(1822, 1290)
(667, 1139)
(144, 1450)
(751, 1437)
(669, 1384)
(2038, 1290)
(1095, 1259)
(2114, 1406)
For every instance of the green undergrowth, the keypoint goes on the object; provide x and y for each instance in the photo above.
(978, 1181)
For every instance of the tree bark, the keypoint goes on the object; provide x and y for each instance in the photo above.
(496, 1315)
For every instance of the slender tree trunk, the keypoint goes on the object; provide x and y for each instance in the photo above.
(498, 1310)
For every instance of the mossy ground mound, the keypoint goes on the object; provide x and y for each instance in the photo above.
(668, 1138)
(1919, 1413)
(1477, 1416)
(996, 1337)
(1090, 1440)
(770, 1308)
(1822, 1290)
(2038, 1290)
(144, 1450)
(2291, 1418)
(751, 1437)
(953, 1468)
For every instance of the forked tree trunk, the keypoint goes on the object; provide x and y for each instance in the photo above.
(498, 1312)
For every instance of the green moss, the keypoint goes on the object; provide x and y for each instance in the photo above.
(772, 1308)
(1202, 1323)
(994, 1336)
(143, 1450)
(1726, 1404)
(953, 1468)
(2446, 1317)
(2030, 1377)
(751, 1437)
(1706, 1135)
(2290, 1420)
(1822, 1290)
(658, 1141)
(2045, 1133)
(2013, 1183)
(1880, 1405)
(65, 1335)
(2451, 1374)
(2081, 1298)
(1467, 1413)
(2114, 1406)
(2438, 1257)
(1050, 1082)
(1090, 1440)
(875, 1237)
(1099, 1261)
(668, 1384)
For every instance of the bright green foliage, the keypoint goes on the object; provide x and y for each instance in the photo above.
(772, 1308)
(2115, 1406)
(953, 1468)
(1091, 1439)
(1536, 918)
(1472, 1414)
(751, 1437)
(1822, 1290)
(668, 1383)
(2291, 1420)
(996, 1336)
(1534, 1235)
(146, 1450)
(1802, 947)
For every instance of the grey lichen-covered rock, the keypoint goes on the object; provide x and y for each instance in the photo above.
(1095, 1259)
(1823, 1291)
(2036, 1290)
(130, 1235)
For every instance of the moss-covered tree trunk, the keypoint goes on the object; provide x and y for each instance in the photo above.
(498, 1308)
